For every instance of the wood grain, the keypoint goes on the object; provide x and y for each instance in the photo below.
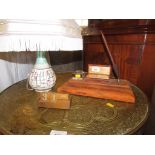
(98, 88)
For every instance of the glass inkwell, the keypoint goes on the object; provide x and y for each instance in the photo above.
(78, 75)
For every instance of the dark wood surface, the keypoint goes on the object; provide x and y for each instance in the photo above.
(132, 44)
(124, 26)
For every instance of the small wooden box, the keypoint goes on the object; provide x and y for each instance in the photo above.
(99, 71)
(53, 100)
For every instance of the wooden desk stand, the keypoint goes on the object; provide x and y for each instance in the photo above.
(99, 88)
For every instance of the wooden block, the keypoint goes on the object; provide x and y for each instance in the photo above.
(99, 88)
(99, 71)
(53, 100)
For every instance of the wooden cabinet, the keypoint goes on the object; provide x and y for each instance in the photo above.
(132, 44)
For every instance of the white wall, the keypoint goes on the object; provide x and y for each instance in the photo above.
(14, 67)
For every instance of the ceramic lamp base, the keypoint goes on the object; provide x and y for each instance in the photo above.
(42, 80)
(42, 77)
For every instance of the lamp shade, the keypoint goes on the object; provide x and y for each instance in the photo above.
(52, 35)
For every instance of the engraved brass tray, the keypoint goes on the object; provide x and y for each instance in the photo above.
(19, 113)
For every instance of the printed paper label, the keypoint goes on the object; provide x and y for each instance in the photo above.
(95, 69)
(56, 132)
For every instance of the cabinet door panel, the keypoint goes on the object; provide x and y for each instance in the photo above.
(94, 54)
(127, 58)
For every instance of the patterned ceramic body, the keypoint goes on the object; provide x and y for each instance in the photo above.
(42, 77)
